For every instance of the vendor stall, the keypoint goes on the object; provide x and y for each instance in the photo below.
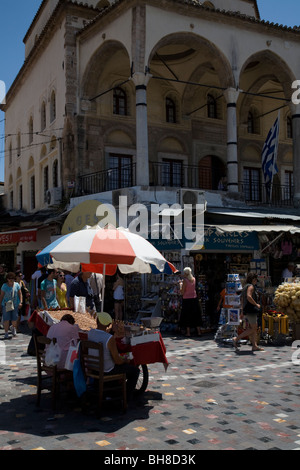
(145, 344)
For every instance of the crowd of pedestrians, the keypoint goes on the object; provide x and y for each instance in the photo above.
(47, 289)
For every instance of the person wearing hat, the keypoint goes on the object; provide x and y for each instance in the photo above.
(289, 271)
(113, 362)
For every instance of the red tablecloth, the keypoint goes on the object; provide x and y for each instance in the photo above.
(39, 323)
(149, 353)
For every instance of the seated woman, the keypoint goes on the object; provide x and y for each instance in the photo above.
(66, 332)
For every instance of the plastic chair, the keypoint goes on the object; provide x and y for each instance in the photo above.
(91, 356)
(52, 372)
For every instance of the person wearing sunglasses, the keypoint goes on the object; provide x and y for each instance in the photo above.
(61, 290)
(10, 302)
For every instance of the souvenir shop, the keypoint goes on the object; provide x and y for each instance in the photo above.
(237, 251)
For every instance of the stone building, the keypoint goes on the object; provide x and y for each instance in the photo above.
(148, 97)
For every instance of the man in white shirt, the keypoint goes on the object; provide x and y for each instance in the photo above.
(289, 271)
(113, 362)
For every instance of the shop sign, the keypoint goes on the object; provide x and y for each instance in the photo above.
(167, 245)
(8, 238)
(227, 241)
(84, 214)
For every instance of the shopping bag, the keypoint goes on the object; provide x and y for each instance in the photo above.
(78, 377)
(71, 356)
(53, 354)
(80, 304)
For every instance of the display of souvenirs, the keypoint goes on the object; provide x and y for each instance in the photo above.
(232, 298)
(233, 316)
(287, 299)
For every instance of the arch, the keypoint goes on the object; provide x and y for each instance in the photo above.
(171, 144)
(95, 79)
(189, 46)
(119, 137)
(259, 70)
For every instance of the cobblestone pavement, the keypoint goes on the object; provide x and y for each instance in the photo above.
(210, 398)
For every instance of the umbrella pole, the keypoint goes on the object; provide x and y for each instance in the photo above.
(103, 288)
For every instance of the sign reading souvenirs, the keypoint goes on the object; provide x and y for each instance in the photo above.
(225, 241)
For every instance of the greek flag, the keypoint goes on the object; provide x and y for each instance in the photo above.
(269, 153)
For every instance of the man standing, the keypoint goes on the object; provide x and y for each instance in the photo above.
(96, 283)
(81, 288)
(48, 290)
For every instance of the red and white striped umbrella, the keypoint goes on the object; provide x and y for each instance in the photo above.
(104, 250)
(92, 248)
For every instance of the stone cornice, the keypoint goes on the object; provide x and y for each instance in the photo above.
(215, 13)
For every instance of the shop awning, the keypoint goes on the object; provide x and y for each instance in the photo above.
(17, 236)
(254, 214)
(257, 228)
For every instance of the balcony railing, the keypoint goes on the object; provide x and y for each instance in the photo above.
(259, 194)
(107, 180)
(178, 175)
(175, 174)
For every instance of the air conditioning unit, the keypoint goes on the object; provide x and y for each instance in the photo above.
(189, 196)
(53, 197)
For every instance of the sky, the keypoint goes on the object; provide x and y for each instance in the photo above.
(17, 15)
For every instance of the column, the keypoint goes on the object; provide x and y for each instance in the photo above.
(231, 95)
(142, 155)
(295, 110)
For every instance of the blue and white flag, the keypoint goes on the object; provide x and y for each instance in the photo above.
(269, 153)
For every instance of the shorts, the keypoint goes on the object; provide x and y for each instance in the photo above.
(10, 316)
(118, 301)
(251, 317)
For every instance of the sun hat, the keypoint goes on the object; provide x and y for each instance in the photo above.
(104, 318)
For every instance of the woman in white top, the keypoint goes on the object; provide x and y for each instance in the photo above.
(118, 288)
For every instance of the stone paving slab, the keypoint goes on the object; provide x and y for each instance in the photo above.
(210, 398)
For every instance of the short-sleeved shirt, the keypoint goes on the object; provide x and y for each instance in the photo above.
(82, 289)
(9, 291)
(49, 287)
(99, 336)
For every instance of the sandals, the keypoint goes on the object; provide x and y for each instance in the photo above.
(234, 343)
(258, 349)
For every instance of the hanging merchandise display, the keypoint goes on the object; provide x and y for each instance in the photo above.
(202, 291)
(230, 317)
